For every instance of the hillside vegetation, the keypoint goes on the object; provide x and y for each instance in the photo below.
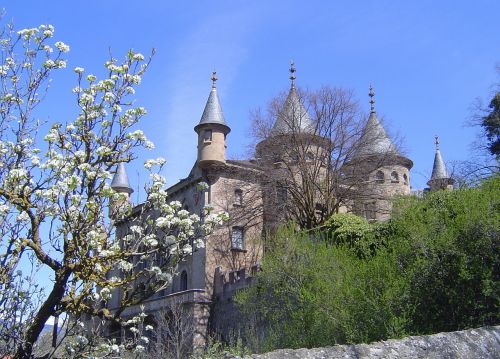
(433, 267)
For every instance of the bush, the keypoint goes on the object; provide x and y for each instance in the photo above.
(433, 267)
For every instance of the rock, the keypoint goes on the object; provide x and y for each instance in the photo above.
(481, 343)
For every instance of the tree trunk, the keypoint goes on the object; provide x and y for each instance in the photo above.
(48, 308)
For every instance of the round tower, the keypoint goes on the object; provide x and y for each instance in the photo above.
(439, 178)
(121, 185)
(378, 170)
(212, 130)
(294, 136)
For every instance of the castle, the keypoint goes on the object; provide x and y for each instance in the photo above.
(257, 194)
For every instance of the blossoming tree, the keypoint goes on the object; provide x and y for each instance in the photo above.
(54, 191)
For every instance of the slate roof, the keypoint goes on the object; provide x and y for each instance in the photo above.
(120, 181)
(439, 168)
(374, 140)
(293, 118)
(212, 114)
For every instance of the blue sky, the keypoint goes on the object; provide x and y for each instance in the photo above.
(428, 61)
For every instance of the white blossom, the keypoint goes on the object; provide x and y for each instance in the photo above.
(61, 46)
(138, 57)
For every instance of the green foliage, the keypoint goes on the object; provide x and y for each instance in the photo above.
(215, 349)
(433, 267)
(312, 293)
(449, 244)
(352, 231)
(491, 125)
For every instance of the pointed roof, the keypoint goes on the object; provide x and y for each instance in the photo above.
(213, 111)
(120, 180)
(439, 168)
(374, 140)
(293, 118)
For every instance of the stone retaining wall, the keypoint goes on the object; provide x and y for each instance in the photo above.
(466, 344)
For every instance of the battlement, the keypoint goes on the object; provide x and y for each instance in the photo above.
(226, 285)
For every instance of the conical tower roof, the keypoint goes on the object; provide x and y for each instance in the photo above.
(439, 168)
(120, 181)
(293, 118)
(374, 140)
(212, 114)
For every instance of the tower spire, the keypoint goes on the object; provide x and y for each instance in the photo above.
(214, 79)
(372, 100)
(439, 177)
(120, 181)
(292, 74)
(212, 130)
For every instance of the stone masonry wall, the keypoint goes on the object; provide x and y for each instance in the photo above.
(481, 343)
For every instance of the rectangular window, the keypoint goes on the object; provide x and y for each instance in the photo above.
(237, 240)
(281, 194)
(207, 135)
(370, 210)
(238, 197)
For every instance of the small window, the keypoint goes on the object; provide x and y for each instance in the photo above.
(184, 281)
(207, 135)
(379, 177)
(405, 179)
(281, 194)
(238, 197)
(237, 241)
(394, 177)
(370, 210)
(309, 157)
(319, 209)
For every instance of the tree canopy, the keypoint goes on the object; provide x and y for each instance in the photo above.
(55, 194)
(491, 125)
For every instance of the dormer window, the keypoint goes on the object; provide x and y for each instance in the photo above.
(379, 177)
(238, 197)
(207, 136)
(394, 177)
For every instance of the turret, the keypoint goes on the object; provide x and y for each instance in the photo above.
(294, 135)
(121, 185)
(439, 178)
(212, 130)
(376, 169)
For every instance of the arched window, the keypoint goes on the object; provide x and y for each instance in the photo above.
(379, 177)
(394, 177)
(405, 179)
(184, 281)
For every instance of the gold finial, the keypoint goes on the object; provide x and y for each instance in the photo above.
(214, 78)
(372, 100)
(292, 73)
(436, 141)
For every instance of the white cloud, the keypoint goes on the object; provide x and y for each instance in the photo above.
(218, 43)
